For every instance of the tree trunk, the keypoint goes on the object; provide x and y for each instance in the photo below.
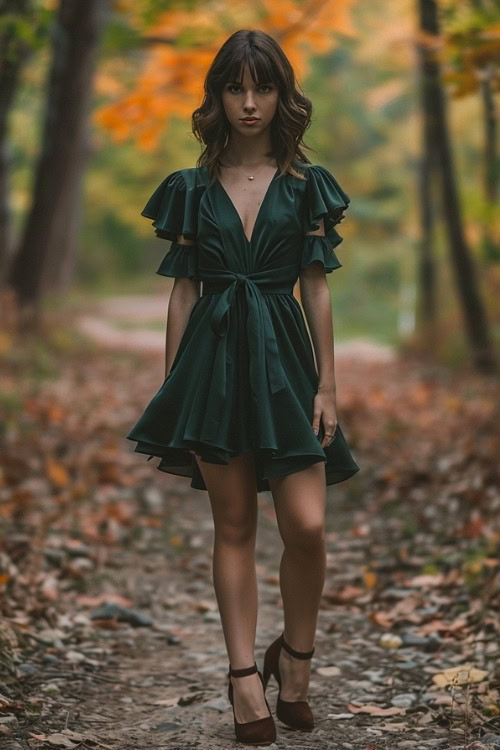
(472, 307)
(491, 252)
(76, 36)
(491, 168)
(13, 53)
(426, 273)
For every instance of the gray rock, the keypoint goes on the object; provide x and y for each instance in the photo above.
(166, 726)
(27, 669)
(407, 744)
(50, 688)
(211, 617)
(406, 665)
(404, 700)
(9, 720)
(220, 704)
(50, 659)
(374, 675)
(491, 739)
(360, 684)
(112, 611)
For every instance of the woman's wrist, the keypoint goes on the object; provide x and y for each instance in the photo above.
(327, 387)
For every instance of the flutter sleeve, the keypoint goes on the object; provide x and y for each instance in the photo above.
(324, 199)
(174, 210)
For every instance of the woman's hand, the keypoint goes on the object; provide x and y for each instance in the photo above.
(325, 410)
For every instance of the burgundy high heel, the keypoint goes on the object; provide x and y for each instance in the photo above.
(257, 732)
(295, 714)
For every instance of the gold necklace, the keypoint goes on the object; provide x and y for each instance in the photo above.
(249, 177)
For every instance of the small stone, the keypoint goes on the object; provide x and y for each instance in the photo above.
(406, 665)
(75, 657)
(407, 744)
(27, 669)
(411, 639)
(112, 611)
(220, 704)
(491, 739)
(337, 717)
(50, 659)
(404, 700)
(166, 726)
(9, 720)
(153, 498)
(51, 688)
(374, 675)
(211, 617)
(390, 640)
(328, 671)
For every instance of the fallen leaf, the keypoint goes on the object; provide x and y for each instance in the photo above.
(373, 710)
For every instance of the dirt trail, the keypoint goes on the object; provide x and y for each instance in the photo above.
(109, 684)
(122, 323)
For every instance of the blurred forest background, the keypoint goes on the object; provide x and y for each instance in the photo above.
(95, 105)
(405, 115)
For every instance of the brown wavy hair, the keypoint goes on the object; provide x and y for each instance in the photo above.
(267, 64)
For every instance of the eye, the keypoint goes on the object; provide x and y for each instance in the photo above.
(232, 86)
(268, 86)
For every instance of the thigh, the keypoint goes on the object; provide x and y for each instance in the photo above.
(299, 500)
(232, 490)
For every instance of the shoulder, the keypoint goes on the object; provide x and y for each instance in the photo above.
(186, 178)
(309, 175)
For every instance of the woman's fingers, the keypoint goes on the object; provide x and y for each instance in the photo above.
(329, 426)
(327, 416)
(316, 418)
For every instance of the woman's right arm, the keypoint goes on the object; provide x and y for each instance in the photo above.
(183, 297)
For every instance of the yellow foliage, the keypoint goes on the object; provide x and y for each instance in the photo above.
(171, 80)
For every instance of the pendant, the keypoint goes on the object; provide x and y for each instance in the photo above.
(251, 178)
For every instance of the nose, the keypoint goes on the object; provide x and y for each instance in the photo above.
(249, 105)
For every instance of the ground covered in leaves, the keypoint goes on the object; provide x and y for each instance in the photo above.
(109, 631)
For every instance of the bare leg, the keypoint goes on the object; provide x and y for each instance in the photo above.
(299, 499)
(233, 498)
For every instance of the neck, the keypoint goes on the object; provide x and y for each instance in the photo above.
(249, 152)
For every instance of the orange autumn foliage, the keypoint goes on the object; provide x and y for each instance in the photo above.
(184, 43)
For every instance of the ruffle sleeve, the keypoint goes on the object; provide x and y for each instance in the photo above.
(324, 199)
(174, 210)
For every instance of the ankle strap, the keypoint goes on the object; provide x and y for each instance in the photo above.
(293, 652)
(243, 672)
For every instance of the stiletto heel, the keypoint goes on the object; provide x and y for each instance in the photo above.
(295, 714)
(258, 732)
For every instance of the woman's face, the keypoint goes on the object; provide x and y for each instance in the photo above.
(249, 101)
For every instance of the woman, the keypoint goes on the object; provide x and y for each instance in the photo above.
(243, 407)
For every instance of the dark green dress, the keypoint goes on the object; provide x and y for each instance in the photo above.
(243, 377)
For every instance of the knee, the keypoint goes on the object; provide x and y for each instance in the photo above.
(237, 532)
(305, 540)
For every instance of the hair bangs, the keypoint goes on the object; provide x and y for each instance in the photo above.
(259, 65)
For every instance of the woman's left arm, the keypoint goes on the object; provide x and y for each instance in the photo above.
(316, 301)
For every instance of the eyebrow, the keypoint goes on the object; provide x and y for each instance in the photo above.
(240, 83)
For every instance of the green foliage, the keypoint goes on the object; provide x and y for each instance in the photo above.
(21, 34)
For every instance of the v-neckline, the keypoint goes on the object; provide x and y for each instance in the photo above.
(249, 241)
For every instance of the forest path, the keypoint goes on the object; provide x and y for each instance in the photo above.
(412, 572)
(137, 323)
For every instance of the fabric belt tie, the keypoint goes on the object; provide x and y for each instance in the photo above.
(264, 359)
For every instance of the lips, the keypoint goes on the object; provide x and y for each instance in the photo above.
(249, 119)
